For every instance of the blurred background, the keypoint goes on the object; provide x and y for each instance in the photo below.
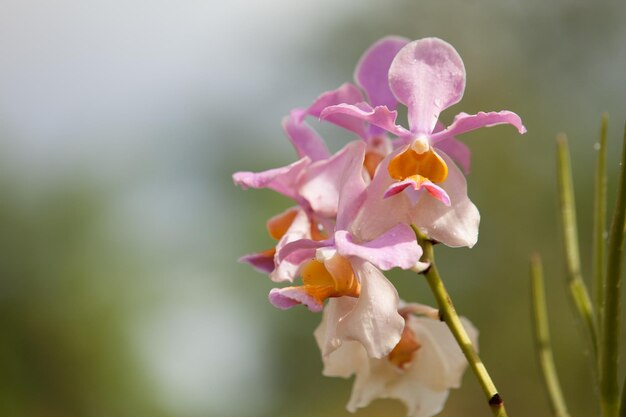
(121, 123)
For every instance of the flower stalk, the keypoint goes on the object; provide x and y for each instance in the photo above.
(542, 339)
(609, 357)
(449, 315)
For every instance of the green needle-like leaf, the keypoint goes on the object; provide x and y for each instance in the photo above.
(599, 227)
(578, 290)
(542, 338)
(609, 358)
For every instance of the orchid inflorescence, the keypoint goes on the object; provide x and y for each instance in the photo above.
(369, 208)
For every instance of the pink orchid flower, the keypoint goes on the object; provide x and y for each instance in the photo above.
(427, 76)
(420, 370)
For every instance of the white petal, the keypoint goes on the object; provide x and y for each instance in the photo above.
(443, 356)
(345, 360)
(371, 383)
(326, 332)
(374, 321)
(423, 387)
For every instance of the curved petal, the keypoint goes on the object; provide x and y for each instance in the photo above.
(301, 249)
(282, 180)
(285, 298)
(441, 352)
(427, 76)
(458, 151)
(382, 381)
(353, 186)
(347, 93)
(300, 228)
(323, 182)
(396, 248)
(343, 362)
(424, 386)
(371, 383)
(379, 116)
(292, 255)
(455, 225)
(326, 333)
(417, 183)
(304, 139)
(372, 71)
(374, 321)
(464, 122)
(261, 261)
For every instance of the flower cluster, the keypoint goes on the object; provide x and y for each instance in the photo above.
(353, 217)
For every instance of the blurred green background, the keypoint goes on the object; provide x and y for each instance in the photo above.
(121, 123)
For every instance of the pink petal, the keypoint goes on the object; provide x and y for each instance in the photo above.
(321, 183)
(433, 189)
(372, 71)
(290, 257)
(374, 321)
(301, 249)
(347, 93)
(379, 116)
(259, 261)
(464, 122)
(304, 139)
(458, 151)
(285, 298)
(282, 180)
(398, 187)
(455, 225)
(300, 229)
(427, 76)
(352, 185)
(396, 248)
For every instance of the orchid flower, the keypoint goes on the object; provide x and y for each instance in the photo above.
(419, 371)
(371, 234)
(427, 76)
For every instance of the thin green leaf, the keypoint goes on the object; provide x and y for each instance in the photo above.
(599, 214)
(609, 386)
(578, 290)
(542, 339)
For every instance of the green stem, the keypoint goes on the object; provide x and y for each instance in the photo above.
(578, 290)
(542, 338)
(609, 385)
(599, 229)
(622, 410)
(451, 318)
